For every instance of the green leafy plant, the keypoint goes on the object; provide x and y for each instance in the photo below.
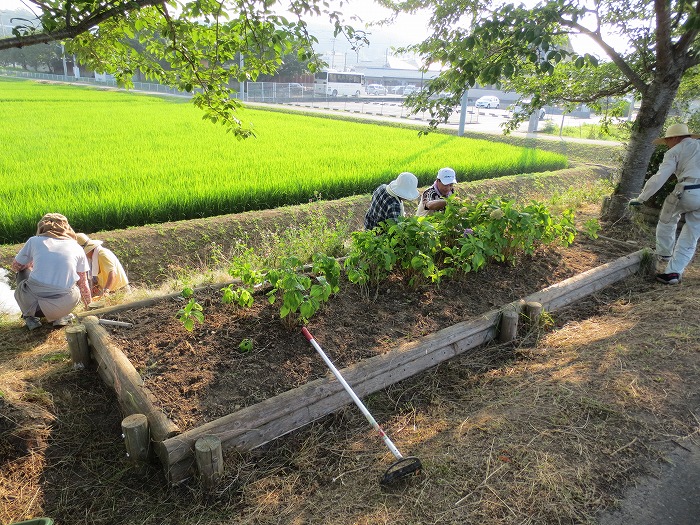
(300, 296)
(242, 296)
(591, 228)
(370, 261)
(246, 346)
(463, 238)
(192, 312)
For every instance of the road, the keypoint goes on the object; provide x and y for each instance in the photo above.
(393, 109)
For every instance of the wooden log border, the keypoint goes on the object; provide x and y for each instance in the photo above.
(117, 372)
(263, 422)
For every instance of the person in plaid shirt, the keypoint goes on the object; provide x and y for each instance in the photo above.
(387, 199)
(434, 198)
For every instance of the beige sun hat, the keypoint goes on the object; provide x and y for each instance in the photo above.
(405, 186)
(86, 242)
(675, 130)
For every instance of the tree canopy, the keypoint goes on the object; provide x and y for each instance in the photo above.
(647, 48)
(205, 47)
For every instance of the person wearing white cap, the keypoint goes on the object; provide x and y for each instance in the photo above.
(387, 199)
(435, 197)
(106, 272)
(683, 160)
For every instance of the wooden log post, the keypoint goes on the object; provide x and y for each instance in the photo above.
(532, 313)
(137, 439)
(508, 328)
(76, 335)
(210, 460)
(508, 324)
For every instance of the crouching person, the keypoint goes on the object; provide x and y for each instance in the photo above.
(106, 272)
(51, 273)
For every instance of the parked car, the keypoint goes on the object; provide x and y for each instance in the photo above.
(488, 102)
(404, 90)
(515, 109)
(441, 95)
(376, 89)
(296, 89)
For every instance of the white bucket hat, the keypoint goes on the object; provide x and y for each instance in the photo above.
(405, 186)
(447, 176)
(675, 130)
(86, 242)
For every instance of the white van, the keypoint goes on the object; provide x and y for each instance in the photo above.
(488, 102)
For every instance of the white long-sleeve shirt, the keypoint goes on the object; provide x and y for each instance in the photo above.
(683, 159)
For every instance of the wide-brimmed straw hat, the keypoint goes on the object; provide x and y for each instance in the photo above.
(405, 186)
(675, 130)
(87, 243)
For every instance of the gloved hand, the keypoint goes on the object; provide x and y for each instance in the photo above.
(635, 202)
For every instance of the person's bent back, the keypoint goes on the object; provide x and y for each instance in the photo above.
(387, 199)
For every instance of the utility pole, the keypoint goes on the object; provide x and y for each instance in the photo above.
(333, 57)
(463, 113)
(63, 58)
(241, 84)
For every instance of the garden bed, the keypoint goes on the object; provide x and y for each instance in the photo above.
(201, 376)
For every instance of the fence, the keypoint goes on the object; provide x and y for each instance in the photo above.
(151, 87)
(297, 94)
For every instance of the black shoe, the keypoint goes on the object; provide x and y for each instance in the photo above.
(668, 278)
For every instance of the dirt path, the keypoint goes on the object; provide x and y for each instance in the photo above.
(670, 496)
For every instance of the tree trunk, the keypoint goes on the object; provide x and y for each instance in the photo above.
(656, 104)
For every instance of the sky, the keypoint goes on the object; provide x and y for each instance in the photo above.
(408, 29)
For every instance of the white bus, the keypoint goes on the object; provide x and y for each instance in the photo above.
(334, 83)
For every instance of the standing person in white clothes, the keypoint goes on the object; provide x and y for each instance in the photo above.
(682, 160)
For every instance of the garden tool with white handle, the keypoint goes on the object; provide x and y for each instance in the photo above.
(403, 466)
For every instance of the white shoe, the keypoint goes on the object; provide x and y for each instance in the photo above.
(64, 321)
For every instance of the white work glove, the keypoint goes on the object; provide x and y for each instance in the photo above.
(635, 202)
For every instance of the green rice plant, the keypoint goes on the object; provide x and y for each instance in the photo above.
(110, 160)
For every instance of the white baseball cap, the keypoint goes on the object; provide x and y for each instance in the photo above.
(447, 176)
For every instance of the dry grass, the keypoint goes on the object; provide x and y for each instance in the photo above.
(546, 431)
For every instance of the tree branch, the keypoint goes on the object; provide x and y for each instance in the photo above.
(617, 59)
(688, 37)
(81, 27)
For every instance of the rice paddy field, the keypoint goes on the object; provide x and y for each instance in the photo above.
(113, 159)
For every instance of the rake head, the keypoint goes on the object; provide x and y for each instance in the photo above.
(401, 469)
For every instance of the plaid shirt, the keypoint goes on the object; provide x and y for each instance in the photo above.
(383, 207)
